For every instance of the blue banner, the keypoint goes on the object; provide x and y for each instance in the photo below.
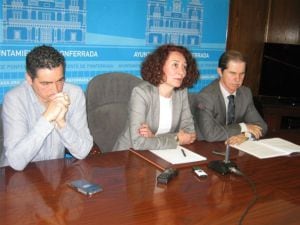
(99, 36)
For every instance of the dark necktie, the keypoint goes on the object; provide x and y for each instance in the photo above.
(231, 109)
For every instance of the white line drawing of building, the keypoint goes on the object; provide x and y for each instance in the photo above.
(44, 21)
(177, 24)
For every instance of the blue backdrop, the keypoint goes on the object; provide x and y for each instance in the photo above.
(99, 36)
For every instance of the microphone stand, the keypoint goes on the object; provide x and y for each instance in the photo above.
(221, 166)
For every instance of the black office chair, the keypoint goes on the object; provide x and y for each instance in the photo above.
(107, 99)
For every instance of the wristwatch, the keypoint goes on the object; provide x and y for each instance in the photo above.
(248, 135)
(176, 139)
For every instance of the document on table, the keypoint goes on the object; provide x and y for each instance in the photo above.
(178, 155)
(268, 148)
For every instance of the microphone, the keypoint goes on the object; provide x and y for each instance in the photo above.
(221, 166)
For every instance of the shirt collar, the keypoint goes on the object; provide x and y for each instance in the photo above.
(224, 92)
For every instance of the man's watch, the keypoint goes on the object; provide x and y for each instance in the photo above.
(248, 135)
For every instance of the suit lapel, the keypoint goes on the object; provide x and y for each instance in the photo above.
(176, 110)
(238, 104)
(220, 106)
(156, 109)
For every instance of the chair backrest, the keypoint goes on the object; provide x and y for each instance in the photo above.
(107, 106)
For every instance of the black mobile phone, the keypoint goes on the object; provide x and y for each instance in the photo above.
(85, 187)
(167, 175)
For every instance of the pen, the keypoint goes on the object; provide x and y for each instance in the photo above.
(183, 152)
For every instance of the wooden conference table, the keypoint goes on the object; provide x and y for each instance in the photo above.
(41, 195)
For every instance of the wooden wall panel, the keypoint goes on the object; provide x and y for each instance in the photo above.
(284, 22)
(246, 33)
(251, 23)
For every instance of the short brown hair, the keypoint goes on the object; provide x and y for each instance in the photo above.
(230, 55)
(152, 67)
(42, 57)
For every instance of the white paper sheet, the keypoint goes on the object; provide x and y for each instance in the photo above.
(176, 156)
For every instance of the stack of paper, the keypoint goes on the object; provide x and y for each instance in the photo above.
(268, 148)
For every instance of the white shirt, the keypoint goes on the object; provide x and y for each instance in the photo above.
(28, 136)
(165, 115)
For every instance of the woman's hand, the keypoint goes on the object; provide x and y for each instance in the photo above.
(145, 131)
(186, 138)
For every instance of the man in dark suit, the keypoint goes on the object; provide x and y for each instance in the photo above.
(213, 120)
